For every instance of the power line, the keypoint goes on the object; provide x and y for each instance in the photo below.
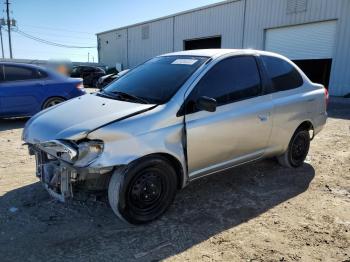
(92, 37)
(57, 29)
(83, 53)
(41, 40)
(58, 39)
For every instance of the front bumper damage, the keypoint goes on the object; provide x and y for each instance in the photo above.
(62, 179)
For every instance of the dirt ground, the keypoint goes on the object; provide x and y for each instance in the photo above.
(260, 212)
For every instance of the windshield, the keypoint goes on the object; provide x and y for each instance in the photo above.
(157, 80)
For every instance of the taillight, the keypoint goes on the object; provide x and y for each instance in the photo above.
(80, 85)
(326, 96)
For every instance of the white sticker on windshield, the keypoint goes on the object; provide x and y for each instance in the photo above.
(184, 62)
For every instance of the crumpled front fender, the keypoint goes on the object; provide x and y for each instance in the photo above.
(137, 137)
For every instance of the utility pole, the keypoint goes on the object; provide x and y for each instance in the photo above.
(88, 57)
(9, 25)
(2, 44)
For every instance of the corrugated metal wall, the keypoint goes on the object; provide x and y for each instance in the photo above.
(340, 75)
(113, 48)
(228, 20)
(223, 20)
(157, 39)
(265, 14)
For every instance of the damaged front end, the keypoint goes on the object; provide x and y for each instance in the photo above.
(62, 167)
(78, 146)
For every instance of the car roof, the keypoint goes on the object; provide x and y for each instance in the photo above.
(23, 65)
(88, 66)
(214, 53)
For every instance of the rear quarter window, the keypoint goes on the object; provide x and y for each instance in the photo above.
(283, 75)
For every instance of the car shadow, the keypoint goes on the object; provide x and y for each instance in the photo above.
(12, 123)
(35, 227)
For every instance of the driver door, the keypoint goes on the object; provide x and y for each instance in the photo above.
(238, 131)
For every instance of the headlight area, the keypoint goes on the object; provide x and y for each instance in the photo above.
(63, 165)
(88, 151)
(60, 149)
(80, 153)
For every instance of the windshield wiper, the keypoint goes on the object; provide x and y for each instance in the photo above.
(106, 94)
(130, 97)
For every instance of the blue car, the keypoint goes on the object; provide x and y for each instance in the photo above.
(26, 89)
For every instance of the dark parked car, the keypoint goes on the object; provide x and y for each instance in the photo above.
(105, 80)
(26, 89)
(89, 74)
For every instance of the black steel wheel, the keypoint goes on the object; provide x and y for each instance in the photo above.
(143, 192)
(297, 150)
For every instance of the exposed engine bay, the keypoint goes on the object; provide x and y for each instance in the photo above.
(61, 179)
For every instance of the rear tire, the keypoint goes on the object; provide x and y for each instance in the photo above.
(297, 151)
(53, 101)
(143, 191)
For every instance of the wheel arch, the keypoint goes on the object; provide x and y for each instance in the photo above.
(173, 161)
(306, 125)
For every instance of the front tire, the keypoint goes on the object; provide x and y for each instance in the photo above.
(143, 191)
(297, 151)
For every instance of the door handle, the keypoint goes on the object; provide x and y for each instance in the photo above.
(311, 99)
(263, 118)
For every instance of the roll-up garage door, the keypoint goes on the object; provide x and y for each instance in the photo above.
(300, 42)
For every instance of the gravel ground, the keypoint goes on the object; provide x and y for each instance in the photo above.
(259, 212)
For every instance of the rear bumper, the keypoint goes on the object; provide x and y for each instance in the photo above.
(77, 92)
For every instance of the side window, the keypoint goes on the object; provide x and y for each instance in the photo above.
(233, 79)
(2, 73)
(15, 73)
(282, 74)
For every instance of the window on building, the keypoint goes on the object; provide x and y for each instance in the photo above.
(145, 32)
(296, 6)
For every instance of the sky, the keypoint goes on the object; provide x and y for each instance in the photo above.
(75, 23)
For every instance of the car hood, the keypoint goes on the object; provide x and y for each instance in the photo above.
(75, 118)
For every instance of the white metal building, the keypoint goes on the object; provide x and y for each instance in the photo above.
(313, 33)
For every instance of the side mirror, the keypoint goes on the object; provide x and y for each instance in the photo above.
(206, 103)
